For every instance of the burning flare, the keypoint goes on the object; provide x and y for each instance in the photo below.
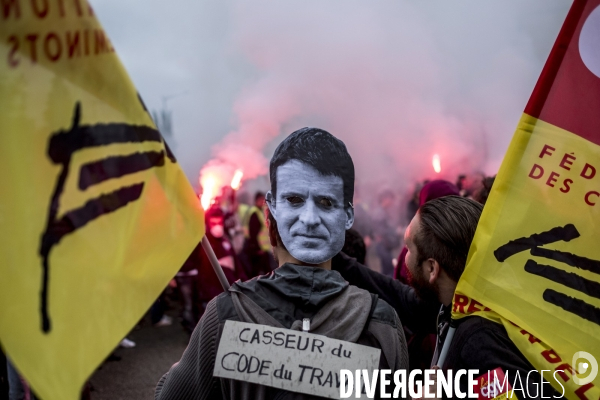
(237, 179)
(435, 161)
(215, 177)
(209, 191)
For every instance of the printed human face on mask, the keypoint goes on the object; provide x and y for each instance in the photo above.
(310, 212)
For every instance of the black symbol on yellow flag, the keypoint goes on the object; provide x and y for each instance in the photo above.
(62, 146)
(574, 281)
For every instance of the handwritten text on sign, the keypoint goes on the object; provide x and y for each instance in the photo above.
(296, 361)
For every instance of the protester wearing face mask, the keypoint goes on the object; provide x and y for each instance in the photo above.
(310, 209)
(209, 286)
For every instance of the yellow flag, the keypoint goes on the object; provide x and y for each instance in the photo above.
(534, 264)
(95, 213)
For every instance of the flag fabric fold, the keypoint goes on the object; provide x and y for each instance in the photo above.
(534, 264)
(96, 214)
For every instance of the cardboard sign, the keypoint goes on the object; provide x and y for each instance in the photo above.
(297, 361)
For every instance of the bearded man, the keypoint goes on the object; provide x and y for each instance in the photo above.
(438, 241)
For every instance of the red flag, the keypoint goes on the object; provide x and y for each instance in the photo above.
(567, 93)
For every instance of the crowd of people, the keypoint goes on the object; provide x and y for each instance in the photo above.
(378, 274)
(237, 230)
(322, 265)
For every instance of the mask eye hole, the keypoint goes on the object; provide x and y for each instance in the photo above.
(295, 200)
(325, 202)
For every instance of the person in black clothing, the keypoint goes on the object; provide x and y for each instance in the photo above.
(354, 246)
(438, 240)
(209, 285)
(416, 314)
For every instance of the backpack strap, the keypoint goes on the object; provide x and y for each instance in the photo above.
(226, 309)
(374, 298)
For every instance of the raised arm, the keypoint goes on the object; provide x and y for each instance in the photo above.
(415, 314)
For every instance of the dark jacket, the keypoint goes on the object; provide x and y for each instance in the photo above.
(482, 344)
(478, 343)
(416, 315)
(282, 299)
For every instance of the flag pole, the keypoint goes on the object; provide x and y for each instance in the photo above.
(215, 263)
(447, 344)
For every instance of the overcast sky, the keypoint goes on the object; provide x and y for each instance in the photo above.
(397, 80)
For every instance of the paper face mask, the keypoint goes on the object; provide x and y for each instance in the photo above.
(310, 212)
